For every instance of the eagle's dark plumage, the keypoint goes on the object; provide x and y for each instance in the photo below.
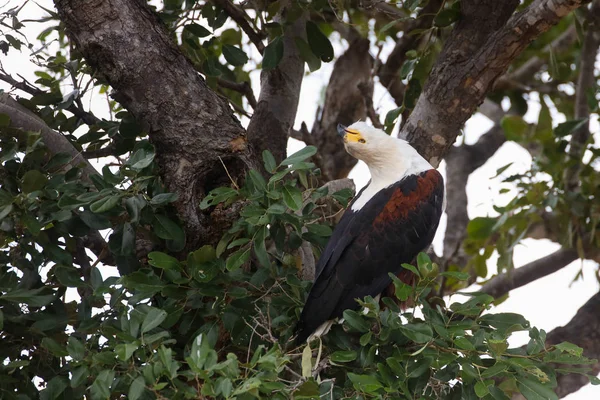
(381, 230)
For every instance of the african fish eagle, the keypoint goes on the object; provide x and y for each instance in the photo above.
(387, 224)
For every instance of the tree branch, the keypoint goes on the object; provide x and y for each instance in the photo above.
(22, 118)
(582, 330)
(240, 87)
(275, 112)
(477, 54)
(505, 282)
(585, 82)
(191, 126)
(240, 17)
(87, 117)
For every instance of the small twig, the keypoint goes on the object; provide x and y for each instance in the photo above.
(241, 87)
(241, 18)
(229, 175)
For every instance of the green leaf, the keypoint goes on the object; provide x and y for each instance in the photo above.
(273, 54)
(292, 197)
(164, 198)
(105, 204)
(234, 55)
(319, 229)
(141, 158)
(79, 376)
(505, 322)
(217, 196)
(75, 348)
(33, 180)
(392, 116)
(313, 62)
(534, 390)
(154, 318)
(54, 388)
(300, 155)
(137, 388)
(481, 389)
(1, 320)
(237, 259)
(163, 261)
(365, 383)
(515, 128)
(418, 333)
(197, 30)
(463, 343)
(100, 389)
(318, 42)
(5, 210)
(68, 276)
(4, 120)
(306, 362)
(54, 347)
(356, 321)
(257, 180)
(481, 227)
(165, 228)
(269, 161)
(124, 351)
(446, 17)
(568, 127)
(412, 93)
(343, 356)
(31, 297)
(569, 348)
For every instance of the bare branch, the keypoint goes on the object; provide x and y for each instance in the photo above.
(275, 113)
(504, 283)
(78, 111)
(469, 65)
(528, 69)
(240, 17)
(23, 118)
(240, 87)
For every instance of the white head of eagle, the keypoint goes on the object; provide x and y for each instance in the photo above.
(386, 225)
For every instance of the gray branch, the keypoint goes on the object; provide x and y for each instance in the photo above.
(275, 113)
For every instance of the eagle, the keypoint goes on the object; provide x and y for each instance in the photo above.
(387, 224)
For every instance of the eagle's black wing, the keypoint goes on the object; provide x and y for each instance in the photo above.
(389, 230)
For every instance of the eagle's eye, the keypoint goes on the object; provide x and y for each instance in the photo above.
(362, 141)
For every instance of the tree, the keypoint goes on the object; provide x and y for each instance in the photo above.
(211, 226)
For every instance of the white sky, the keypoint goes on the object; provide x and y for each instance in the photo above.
(547, 303)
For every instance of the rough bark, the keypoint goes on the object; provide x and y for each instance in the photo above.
(275, 112)
(584, 331)
(344, 104)
(479, 51)
(194, 130)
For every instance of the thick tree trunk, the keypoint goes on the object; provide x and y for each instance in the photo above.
(479, 51)
(194, 131)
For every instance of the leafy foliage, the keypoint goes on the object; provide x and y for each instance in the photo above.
(216, 322)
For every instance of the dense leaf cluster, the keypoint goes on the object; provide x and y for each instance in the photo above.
(216, 322)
